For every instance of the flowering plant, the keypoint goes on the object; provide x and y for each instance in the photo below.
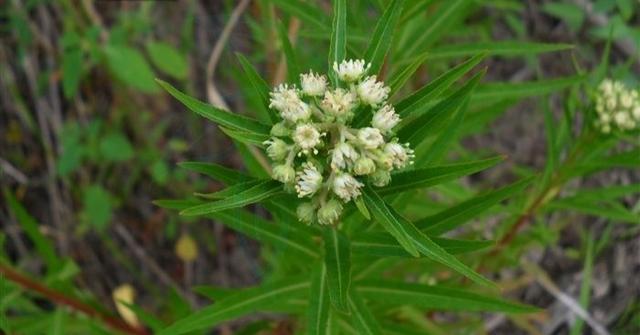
(342, 155)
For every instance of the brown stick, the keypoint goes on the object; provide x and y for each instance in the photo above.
(61, 299)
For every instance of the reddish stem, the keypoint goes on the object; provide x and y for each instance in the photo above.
(61, 299)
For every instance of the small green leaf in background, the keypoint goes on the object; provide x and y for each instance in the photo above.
(71, 64)
(318, 310)
(382, 36)
(130, 67)
(159, 171)
(570, 13)
(115, 147)
(73, 149)
(260, 192)
(168, 59)
(98, 207)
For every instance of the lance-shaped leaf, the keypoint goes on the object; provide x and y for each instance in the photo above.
(293, 69)
(399, 78)
(488, 93)
(231, 190)
(435, 297)
(309, 14)
(382, 35)
(338, 45)
(216, 171)
(436, 87)
(457, 215)
(338, 262)
(318, 310)
(260, 87)
(260, 192)
(419, 128)
(383, 245)
(383, 215)
(364, 321)
(286, 237)
(426, 177)
(246, 137)
(244, 302)
(217, 115)
(500, 48)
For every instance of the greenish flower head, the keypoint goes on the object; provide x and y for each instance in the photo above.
(319, 153)
(617, 107)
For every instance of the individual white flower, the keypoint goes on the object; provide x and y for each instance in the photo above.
(306, 137)
(284, 173)
(287, 101)
(636, 112)
(329, 213)
(401, 154)
(277, 149)
(364, 166)
(370, 138)
(346, 187)
(338, 102)
(380, 178)
(306, 212)
(313, 84)
(308, 181)
(372, 92)
(351, 70)
(385, 119)
(343, 155)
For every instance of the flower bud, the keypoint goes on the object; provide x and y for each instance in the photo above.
(385, 119)
(329, 212)
(370, 138)
(372, 92)
(284, 173)
(280, 129)
(277, 149)
(364, 166)
(350, 70)
(380, 178)
(306, 212)
(346, 187)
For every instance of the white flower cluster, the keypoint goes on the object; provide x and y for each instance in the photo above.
(617, 107)
(316, 150)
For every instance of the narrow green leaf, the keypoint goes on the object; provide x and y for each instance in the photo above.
(260, 87)
(43, 246)
(399, 78)
(338, 262)
(426, 177)
(293, 69)
(382, 214)
(382, 35)
(364, 321)
(487, 93)
(362, 208)
(318, 310)
(596, 207)
(419, 128)
(383, 245)
(222, 117)
(260, 192)
(436, 87)
(457, 215)
(216, 171)
(307, 13)
(231, 190)
(435, 297)
(585, 286)
(256, 139)
(437, 149)
(338, 46)
(244, 302)
(286, 237)
(498, 48)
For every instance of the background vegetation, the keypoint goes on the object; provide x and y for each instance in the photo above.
(88, 140)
